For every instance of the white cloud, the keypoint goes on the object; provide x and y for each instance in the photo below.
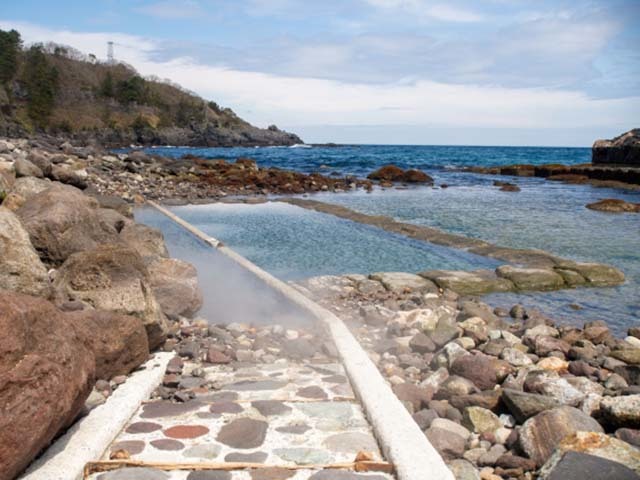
(289, 101)
(428, 10)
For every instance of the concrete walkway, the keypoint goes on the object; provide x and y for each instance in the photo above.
(283, 414)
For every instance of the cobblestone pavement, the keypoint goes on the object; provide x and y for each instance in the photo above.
(280, 414)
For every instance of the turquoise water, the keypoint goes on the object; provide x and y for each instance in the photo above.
(294, 243)
(545, 215)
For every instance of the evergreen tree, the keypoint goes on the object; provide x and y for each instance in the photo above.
(41, 81)
(106, 87)
(10, 45)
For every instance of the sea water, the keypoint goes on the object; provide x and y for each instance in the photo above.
(547, 215)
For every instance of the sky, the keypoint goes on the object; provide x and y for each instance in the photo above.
(454, 72)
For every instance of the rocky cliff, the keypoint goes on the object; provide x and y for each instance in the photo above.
(622, 150)
(57, 90)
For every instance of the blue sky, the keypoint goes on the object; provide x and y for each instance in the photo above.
(378, 71)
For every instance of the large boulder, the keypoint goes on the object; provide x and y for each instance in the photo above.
(24, 168)
(622, 150)
(118, 342)
(597, 445)
(484, 371)
(20, 269)
(540, 435)
(403, 282)
(46, 374)
(531, 278)
(175, 285)
(62, 221)
(112, 277)
(477, 282)
(572, 465)
(27, 187)
(147, 241)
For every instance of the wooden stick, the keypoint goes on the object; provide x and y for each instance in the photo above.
(108, 465)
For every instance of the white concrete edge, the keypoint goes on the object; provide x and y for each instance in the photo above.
(87, 440)
(402, 441)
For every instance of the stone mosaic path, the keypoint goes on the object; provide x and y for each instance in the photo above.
(280, 414)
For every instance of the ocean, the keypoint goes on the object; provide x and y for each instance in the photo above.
(292, 243)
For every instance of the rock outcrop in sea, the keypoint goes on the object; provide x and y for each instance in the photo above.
(621, 150)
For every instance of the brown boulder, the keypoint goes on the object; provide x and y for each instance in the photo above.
(416, 176)
(175, 285)
(390, 173)
(147, 241)
(119, 342)
(112, 278)
(483, 370)
(540, 435)
(46, 374)
(62, 221)
(614, 205)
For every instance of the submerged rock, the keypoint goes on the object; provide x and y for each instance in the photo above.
(614, 205)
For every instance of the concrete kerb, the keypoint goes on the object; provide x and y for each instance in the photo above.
(400, 438)
(88, 439)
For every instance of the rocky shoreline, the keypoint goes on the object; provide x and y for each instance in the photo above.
(500, 394)
(88, 294)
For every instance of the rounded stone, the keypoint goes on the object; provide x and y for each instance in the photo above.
(167, 444)
(243, 433)
(134, 474)
(209, 475)
(351, 442)
(132, 446)
(207, 450)
(143, 427)
(312, 392)
(253, 457)
(186, 431)
(225, 407)
(268, 408)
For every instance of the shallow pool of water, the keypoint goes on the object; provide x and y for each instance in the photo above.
(544, 215)
(293, 243)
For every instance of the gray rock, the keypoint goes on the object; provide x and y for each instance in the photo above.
(243, 433)
(303, 456)
(403, 282)
(448, 444)
(112, 278)
(207, 451)
(524, 405)
(175, 285)
(463, 470)
(578, 466)
(531, 278)
(622, 411)
(344, 475)
(21, 269)
(451, 426)
(134, 474)
(147, 241)
(351, 442)
(24, 168)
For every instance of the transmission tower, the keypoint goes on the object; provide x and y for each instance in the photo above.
(110, 59)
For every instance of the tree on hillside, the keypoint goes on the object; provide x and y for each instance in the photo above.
(41, 81)
(134, 89)
(10, 45)
(107, 88)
